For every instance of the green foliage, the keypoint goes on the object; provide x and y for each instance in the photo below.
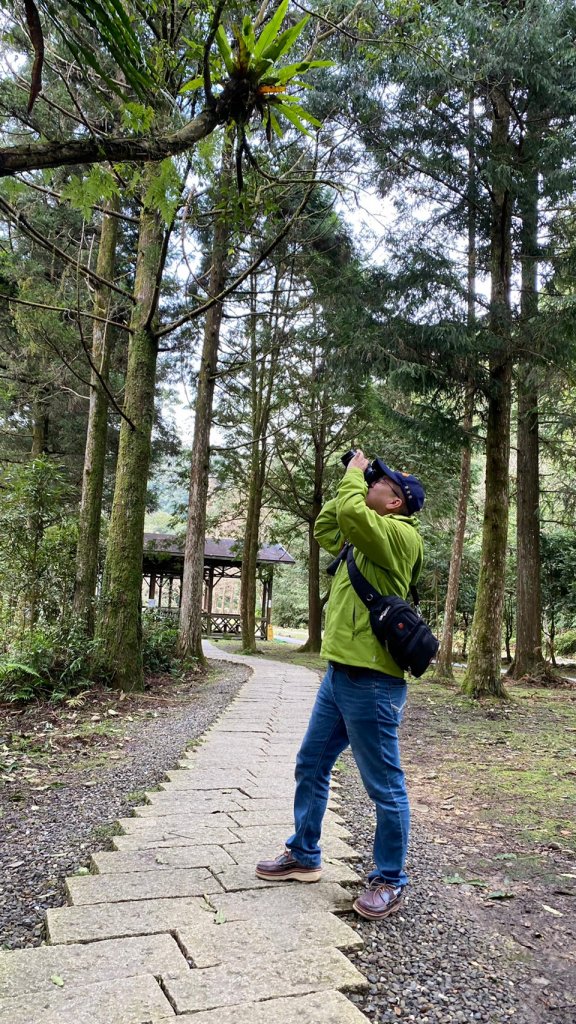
(112, 23)
(95, 186)
(159, 639)
(37, 541)
(164, 190)
(251, 62)
(566, 642)
(52, 661)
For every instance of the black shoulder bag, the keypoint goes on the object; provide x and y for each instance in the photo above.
(398, 626)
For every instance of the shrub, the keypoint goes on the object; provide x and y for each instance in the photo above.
(159, 639)
(565, 643)
(51, 661)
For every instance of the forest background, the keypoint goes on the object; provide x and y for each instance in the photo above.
(177, 201)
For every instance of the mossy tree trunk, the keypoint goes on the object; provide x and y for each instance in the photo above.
(262, 378)
(443, 668)
(483, 675)
(315, 605)
(190, 633)
(95, 452)
(528, 657)
(120, 624)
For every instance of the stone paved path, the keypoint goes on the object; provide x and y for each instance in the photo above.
(174, 923)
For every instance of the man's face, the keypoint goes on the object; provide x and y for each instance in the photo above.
(384, 497)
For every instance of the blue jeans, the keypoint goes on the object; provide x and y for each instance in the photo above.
(361, 708)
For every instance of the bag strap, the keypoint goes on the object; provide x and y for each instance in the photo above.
(365, 591)
(363, 588)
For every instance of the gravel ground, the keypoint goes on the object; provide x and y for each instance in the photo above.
(433, 962)
(57, 830)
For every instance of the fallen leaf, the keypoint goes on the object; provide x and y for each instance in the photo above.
(83, 871)
(57, 980)
(499, 894)
(551, 910)
(111, 711)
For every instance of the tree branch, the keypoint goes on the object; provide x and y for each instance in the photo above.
(69, 311)
(36, 156)
(19, 220)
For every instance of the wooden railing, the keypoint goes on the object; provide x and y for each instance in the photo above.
(218, 623)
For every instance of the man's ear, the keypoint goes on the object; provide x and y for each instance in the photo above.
(394, 503)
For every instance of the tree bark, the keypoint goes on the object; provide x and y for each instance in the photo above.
(263, 374)
(95, 452)
(443, 668)
(40, 424)
(529, 658)
(314, 641)
(483, 675)
(190, 635)
(120, 625)
(94, 150)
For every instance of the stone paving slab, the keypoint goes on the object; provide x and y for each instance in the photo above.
(293, 898)
(242, 876)
(141, 885)
(271, 846)
(163, 859)
(152, 838)
(215, 778)
(283, 816)
(133, 825)
(187, 802)
(137, 1000)
(276, 834)
(316, 1008)
(117, 920)
(25, 971)
(269, 975)
(209, 944)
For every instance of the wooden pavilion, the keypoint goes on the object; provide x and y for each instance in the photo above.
(163, 568)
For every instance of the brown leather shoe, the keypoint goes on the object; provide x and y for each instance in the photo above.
(380, 900)
(285, 867)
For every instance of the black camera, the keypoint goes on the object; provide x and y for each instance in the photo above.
(372, 473)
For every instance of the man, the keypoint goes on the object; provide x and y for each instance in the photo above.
(362, 695)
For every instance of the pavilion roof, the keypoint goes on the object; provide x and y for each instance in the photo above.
(216, 552)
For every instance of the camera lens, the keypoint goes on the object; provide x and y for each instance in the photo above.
(348, 456)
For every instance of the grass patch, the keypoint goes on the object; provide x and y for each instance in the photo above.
(106, 832)
(279, 650)
(512, 762)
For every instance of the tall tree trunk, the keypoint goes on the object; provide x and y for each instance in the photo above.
(314, 641)
(263, 374)
(250, 550)
(529, 657)
(40, 423)
(483, 675)
(190, 635)
(443, 669)
(120, 625)
(95, 452)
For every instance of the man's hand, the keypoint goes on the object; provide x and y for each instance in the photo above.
(358, 462)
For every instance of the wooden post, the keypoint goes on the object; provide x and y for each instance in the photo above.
(210, 596)
(152, 591)
(269, 605)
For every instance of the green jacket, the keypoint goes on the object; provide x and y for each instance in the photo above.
(388, 551)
